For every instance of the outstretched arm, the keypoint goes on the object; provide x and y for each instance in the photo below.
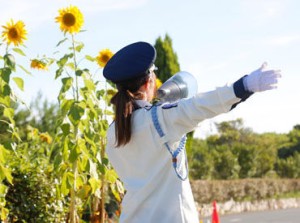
(184, 117)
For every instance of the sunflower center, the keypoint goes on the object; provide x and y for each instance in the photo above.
(13, 33)
(69, 19)
(105, 58)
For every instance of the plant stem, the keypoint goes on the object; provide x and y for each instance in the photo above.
(103, 188)
(75, 67)
(73, 213)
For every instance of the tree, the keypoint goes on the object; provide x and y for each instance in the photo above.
(288, 160)
(201, 163)
(168, 65)
(293, 144)
(166, 59)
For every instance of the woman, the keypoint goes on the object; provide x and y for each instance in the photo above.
(145, 144)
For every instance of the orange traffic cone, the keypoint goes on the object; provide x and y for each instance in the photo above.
(215, 216)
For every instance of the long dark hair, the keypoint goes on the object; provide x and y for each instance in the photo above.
(123, 102)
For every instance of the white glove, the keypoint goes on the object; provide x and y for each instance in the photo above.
(261, 79)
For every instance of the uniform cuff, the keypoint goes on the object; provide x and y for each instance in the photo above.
(240, 90)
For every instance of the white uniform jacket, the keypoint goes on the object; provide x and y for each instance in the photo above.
(154, 192)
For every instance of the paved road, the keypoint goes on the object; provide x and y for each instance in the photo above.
(276, 216)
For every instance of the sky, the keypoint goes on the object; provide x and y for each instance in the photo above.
(216, 41)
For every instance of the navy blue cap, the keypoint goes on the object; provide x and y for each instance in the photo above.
(130, 62)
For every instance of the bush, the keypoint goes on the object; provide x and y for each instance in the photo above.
(241, 190)
(32, 198)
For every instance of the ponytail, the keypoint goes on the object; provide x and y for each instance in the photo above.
(123, 102)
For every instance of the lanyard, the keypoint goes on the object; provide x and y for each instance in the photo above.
(174, 154)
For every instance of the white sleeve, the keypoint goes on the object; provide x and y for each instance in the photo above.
(182, 118)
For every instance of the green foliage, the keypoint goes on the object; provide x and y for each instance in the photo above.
(293, 145)
(236, 152)
(78, 150)
(201, 161)
(32, 196)
(52, 157)
(289, 167)
(9, 133)
(166, 59)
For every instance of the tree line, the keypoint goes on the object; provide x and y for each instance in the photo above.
(236, 152)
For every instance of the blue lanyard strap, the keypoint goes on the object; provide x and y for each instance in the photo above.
(177, 151)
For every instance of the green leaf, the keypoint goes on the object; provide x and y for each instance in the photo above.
(64, 59)
(90, 58)
(66, 151)
(64, 184)
(5, 100)
(67, 83)
(79, 72)
(75, 114)
(100, 93)
(83, 162)
(71, 65)
(111, 176)
(65, 128)
(3, 189)
(19, 51)
(79, 182)
(6, 91)
(58, 72)
(79, 47)
(26, 71)
(3, 154)
(62, 41)
(73, 155)
(10, 61)
(95, 184)
(109, 113)
(5, 173)
(89, 141)
(89, 84)
(4, 213)
(65, 106)
(9, 113)
(70, 179)
(117, 189)
(57, 160)
(84, 192)
(5, 74)
(115, 192)
(20, 82)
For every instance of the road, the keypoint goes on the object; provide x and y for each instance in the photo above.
(275, 216)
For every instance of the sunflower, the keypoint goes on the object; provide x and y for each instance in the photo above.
(45, 137)
(158, 83)
(103, 57)
(14, 32)
(38, 64)
(70, 19)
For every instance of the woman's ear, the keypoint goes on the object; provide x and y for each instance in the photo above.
(147, 84)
